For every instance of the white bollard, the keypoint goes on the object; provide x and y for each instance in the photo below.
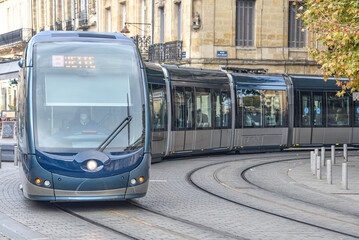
(329, 171)
(316, 151)
(345, 175)
(345, 152)
(322, 159)
(312, 162)
(319, 171)
(16, 149)
(333, 154)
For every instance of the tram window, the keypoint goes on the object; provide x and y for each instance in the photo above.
(338, 110)
(318, 112)
(306, 110)
(239, 108)
(159, 106)
(222, 106)
(356, 113)
(274, 108)
(204, 109)
(226, 109)
(179, 108)
(252, 108)
(151, 102)
(217, 102)
(189, 108)
(296, 109)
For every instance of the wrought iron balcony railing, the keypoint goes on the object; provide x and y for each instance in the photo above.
(17, 36)
(58, 27)
(69, 26)
(165, 52)
(83, 20)
(142, 42)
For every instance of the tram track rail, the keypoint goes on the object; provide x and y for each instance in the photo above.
(95, 223)
(153, 225)
(134, 203)
(215, 176)
(203, 227)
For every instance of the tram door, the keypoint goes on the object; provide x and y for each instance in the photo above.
(183, 119)
(222, 119)
(318, 125)
(159, 118)
(312, 125)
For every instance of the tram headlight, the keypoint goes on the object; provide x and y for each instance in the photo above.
(133, 181)
(91, 165)
(47, 183)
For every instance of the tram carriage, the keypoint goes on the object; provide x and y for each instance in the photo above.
(200, 111)
(83, 125)
(86, 102)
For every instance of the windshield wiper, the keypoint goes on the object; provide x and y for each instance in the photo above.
(114, 134)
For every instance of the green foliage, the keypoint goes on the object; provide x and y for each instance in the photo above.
(12, 107)
(336, 26)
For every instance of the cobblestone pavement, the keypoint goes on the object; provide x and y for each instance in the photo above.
(179, 210)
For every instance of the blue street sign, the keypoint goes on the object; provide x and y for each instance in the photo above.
(222, 53)
(183, 54)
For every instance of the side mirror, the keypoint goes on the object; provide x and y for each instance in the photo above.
(21, 63)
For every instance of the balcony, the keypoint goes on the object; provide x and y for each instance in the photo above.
(165, 52)
(58, 26)
(142, 42)
(83, 20)
(69, 26)
(22, 35)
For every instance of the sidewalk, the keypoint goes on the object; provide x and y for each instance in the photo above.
(302, 175)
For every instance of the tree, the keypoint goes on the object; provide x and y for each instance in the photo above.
(335, 24)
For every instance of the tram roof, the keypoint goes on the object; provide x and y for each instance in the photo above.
(154, 73)
(70, 35)
(254, 81)
(187, 74)
(313, 82)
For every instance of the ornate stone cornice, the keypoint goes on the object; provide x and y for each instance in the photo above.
(160, 3)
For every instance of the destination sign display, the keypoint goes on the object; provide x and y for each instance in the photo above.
(73, 61)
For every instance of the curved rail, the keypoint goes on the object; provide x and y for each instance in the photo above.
(189, 179)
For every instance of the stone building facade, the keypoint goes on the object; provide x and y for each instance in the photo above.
(197, 33)
(215, 33)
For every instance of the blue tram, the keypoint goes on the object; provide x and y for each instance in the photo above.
(201, 111)
(84, 120)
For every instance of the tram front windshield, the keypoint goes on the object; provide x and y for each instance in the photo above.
(83, 91)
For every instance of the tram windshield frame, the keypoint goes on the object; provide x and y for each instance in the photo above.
(101, 80)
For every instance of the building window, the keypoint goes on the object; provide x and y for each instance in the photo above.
(245, 23)
(179, 22)
(143, 17)
(123, 13)
(108, 20)
(162, 24)
(296, 34)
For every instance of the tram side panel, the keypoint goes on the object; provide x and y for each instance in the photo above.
(261, 113)
(321, 118)
(201, 111)
(159, 110)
